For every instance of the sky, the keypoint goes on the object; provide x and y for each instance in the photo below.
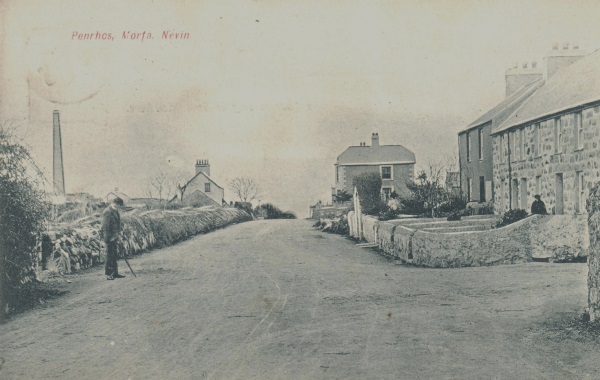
(270, 90)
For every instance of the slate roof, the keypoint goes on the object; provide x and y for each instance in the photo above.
(572, 87)
(203, 174)
(505, 108)
(373, 155)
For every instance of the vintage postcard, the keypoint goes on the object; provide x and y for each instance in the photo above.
(299, 189)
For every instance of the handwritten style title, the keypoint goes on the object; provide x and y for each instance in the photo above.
(129, 35)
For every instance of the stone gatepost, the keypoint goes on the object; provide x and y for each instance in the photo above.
(593, 209)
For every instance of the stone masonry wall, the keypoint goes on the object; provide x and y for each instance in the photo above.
(593, 209)
(539, 169)
(558, 238)
(370, 229)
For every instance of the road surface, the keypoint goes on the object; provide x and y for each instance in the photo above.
(278, 299)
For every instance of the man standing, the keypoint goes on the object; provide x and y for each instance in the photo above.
(109, 232)
(538, 206)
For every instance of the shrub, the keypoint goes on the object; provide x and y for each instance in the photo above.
(512, 216)
(454, 216)
(269, 211)
(342, 196)
(22, 213)
(368, 186)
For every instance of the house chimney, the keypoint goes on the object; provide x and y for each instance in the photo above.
(557, 59)
(375, 139)
(58, 170)
(517, 77)
(203, 166)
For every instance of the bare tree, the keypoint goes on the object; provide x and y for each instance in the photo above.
(157, 186)
(246, 189)
(163, 184)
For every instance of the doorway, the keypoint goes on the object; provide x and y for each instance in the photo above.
(559, 208)
(524, 193)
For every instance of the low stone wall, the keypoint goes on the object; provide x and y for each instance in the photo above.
(330, 212)
(370, 229)
(386, 237)
(558, 238)
(506, 245)
(403, 243)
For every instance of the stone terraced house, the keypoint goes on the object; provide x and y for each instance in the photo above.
(550, 145)
(475, 141)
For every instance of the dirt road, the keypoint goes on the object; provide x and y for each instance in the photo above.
(277, 299)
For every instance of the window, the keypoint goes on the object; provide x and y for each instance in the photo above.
(512, 150)
(579, 130)
(386, 172)
(538, 180)
(337, 174)
(522, 141)
(557, 135)
(503, 149)
(537, 140)
(387, 192)
(480, 143)
(468, 148)
(207, 187)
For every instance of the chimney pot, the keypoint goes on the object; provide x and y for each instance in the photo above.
(375, 139)
(555, 46)
(533, 64)
(566, 46)
(525, 65)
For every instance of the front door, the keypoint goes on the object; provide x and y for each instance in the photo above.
(559, 210)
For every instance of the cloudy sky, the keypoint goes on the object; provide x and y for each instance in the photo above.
(273, 90)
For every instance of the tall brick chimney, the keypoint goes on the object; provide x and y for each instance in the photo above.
(375, 139)
(58, 171)
(203, 166)
(560, 57)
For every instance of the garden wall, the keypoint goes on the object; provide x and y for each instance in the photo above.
(556, 238)
(78, 245)
(560, 237)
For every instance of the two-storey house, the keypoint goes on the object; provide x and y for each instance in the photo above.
(394, 163)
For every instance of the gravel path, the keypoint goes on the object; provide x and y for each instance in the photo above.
(278, 299)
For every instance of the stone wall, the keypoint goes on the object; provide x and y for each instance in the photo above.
(329, 212)
(507, 245)
(370, 229)
(557, 238)
(593, 209)
(560, 237)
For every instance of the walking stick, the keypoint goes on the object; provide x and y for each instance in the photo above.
(132, 272)
(125, 257)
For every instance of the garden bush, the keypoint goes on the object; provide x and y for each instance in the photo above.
(22, 214)
(512, 216)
